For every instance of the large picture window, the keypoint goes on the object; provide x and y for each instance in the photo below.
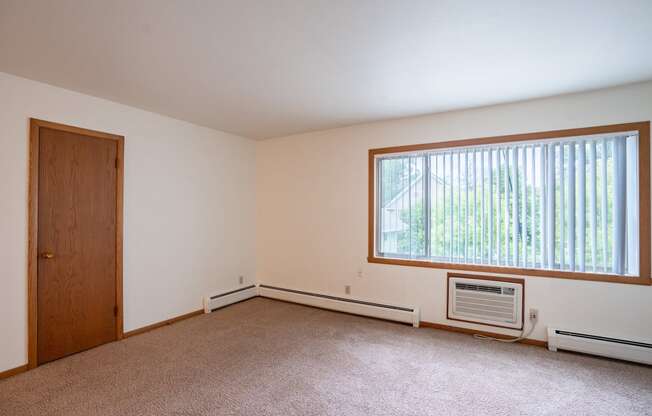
(571, 203)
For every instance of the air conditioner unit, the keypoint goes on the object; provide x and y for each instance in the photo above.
(486, 300)
(591, 343)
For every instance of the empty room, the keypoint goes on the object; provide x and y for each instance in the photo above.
(325, 207)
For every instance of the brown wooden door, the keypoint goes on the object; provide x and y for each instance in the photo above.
(77, 203)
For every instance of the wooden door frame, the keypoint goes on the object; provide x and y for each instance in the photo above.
(32, 253)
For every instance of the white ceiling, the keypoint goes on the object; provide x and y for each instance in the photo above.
(269, 68)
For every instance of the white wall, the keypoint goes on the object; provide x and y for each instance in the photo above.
(312, 212)
(191, 195)
(188, 206)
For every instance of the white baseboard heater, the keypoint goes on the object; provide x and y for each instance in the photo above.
(219, 300)
(404, 314)
(622, 349)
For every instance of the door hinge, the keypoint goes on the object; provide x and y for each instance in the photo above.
(117, 163)
(115, 310)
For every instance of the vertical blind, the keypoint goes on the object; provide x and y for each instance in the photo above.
(568, 204)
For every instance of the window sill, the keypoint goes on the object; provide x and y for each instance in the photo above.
(557, 274)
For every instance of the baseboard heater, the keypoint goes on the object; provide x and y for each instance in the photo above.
(219, 300)
(622, 349)
(404, 314)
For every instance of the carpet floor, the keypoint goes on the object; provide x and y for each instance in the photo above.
(264, 357)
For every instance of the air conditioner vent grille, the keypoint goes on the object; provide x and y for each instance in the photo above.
(478, 288)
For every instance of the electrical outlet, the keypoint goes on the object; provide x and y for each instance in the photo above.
(534, 314)
(241, 279)
(347, 289)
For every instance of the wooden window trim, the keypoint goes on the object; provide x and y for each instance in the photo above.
(643, 278)
(32, 250)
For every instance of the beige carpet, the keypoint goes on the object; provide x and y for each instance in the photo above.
(264, 357)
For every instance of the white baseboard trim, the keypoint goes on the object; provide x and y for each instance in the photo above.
(216, 301)
(406, 314)
(587, 342)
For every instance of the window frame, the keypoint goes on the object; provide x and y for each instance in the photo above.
(645, 254)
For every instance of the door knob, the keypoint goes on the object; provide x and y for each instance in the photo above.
(47, 255)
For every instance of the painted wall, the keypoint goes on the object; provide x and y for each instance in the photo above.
(312, 213)
(188, 207)
(191, 194)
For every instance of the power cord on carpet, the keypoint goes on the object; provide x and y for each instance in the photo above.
(521, 337)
